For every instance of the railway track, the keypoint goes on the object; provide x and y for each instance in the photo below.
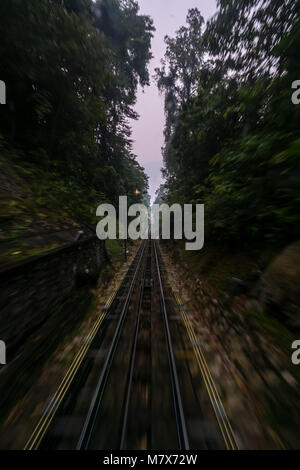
(124, 389)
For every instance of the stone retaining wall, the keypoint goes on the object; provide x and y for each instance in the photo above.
(32, 289)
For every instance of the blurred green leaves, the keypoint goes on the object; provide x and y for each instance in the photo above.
(72, 69)
(234, 144)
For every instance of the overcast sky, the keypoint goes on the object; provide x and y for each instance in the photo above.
(168, 16)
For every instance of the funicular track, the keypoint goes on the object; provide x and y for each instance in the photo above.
(123, 390)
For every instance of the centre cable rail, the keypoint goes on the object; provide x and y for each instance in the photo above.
(144, 297)
(178, 407)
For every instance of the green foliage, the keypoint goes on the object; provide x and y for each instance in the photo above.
(243, 36)
(234, 144)
(72, 69)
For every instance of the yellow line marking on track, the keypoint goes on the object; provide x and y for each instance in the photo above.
(50, 411)
(214, 396)
(43, 424)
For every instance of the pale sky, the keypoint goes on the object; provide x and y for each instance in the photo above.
(168, 16)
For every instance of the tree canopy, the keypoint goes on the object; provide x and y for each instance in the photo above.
(72, 68)
(232, 138)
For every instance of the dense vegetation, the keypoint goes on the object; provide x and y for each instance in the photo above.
(232, 135)
(72, 69)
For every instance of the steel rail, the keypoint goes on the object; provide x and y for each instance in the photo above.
(178, 407)
(132, 364)
(214, 396)
(90, 421)
(223, 420)
(48, 416)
